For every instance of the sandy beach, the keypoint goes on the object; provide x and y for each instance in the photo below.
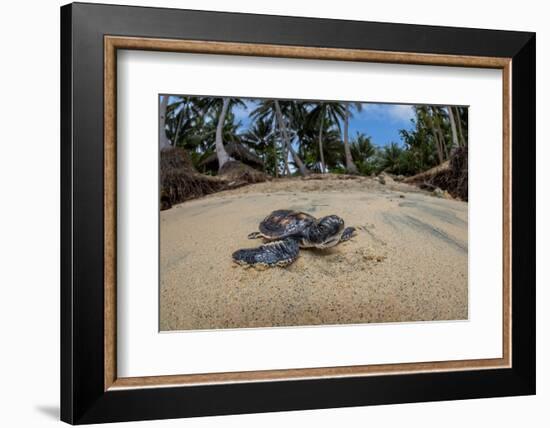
(407, 262)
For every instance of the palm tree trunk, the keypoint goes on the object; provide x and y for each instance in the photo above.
(276, 159)
(223, 157)
(285, 154)
(322, 156)
(164, 142)
(459, 126)
(430, 122)
(301, 167)
(442, 141)
(178, 129)
(438, 146)
(453, 127)
(288, 146)
(287, 169)
(444, 147)
(350, 166)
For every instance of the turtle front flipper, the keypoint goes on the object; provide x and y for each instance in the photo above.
(278, 253)
(254, 235)
(347, 234)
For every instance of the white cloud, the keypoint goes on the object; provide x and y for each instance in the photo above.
(401, 112)
(389, 112)
(242, 114)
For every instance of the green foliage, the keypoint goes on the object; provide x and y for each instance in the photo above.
(390, 158)
(308, 137)
(326, 112)
(191, 124)
(261, 137)
(364, 154)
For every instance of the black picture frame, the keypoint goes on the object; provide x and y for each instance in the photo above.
(83, 398)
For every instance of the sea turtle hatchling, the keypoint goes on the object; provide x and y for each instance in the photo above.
(286, 232)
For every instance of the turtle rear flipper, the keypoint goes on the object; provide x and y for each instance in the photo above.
(279, 253)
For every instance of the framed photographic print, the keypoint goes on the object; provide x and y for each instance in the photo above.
(265, 213)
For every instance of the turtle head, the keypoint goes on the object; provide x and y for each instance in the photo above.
(326, 231)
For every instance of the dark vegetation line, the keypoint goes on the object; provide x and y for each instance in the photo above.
(288, 138)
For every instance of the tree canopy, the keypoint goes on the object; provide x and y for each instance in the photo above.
(285, 137)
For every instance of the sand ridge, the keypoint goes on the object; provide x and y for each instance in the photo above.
(407, 262)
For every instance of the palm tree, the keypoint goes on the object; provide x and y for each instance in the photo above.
(288, 143)
(203, 141)
(390, 157)
(429, 143)
(260, 137)
(364, 152)
(322, 113)
(351, 168)
(454, 132)
(223, 157)
(308, 135)
(184, 121)
(459, 125)
(425, 115)
(222, 106)
(420, 143)
(272, 111)
(163, 139)
(438, 122)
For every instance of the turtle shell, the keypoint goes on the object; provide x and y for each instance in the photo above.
(284, 223)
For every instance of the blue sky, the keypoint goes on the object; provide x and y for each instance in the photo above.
(381, 122)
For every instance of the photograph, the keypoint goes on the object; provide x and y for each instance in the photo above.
(260, 213)
(290, 212)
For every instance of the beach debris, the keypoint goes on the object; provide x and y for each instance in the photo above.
(381, 179)
(180, 181)
(374, 257)
(330, 176)
(438, 192)
(239, 173)
(286, 231)
(451, 175)
(442, 193)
